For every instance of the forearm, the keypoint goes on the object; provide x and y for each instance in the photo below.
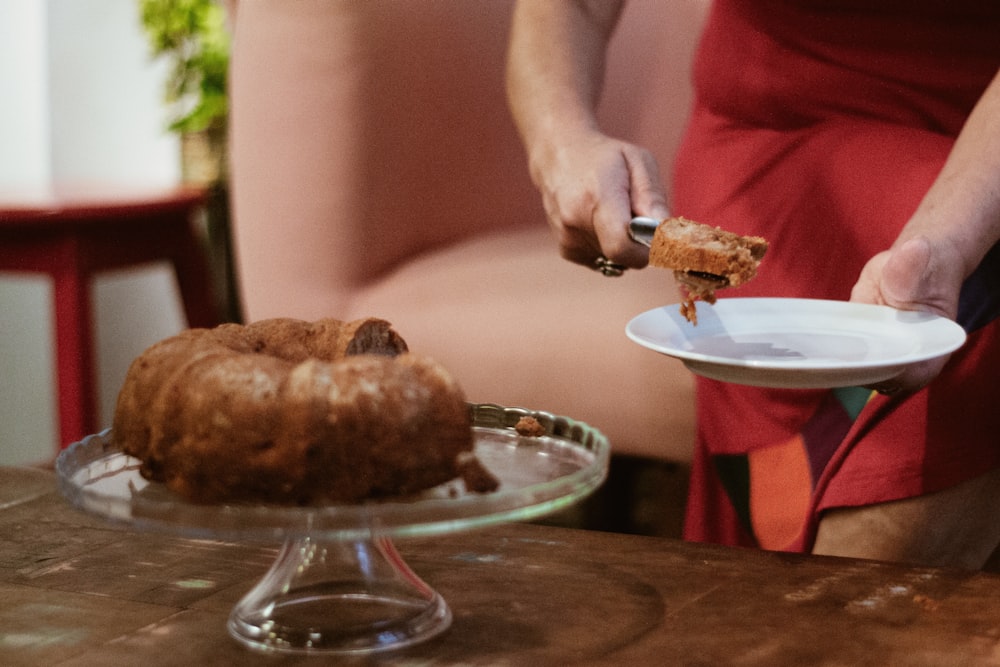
(590, 183)
(556, 65)
(962, 207)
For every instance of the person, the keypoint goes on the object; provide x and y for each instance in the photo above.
(864, 144)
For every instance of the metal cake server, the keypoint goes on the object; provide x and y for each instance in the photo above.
(641, 229)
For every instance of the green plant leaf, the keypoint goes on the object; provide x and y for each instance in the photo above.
(191, 36)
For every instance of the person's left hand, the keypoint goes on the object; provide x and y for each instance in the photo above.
(913, 275)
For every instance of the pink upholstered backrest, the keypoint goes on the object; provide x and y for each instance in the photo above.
(365, 132)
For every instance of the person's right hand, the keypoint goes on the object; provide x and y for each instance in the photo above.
(591, 186)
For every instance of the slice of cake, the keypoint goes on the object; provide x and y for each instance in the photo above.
(704, 258)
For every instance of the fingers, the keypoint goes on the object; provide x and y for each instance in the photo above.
(591, 188)
(647, 194)
(911, 276)
(912, 379)
(904, 277)
(577, 242)
(639, 194)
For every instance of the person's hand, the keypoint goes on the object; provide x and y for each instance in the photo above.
(591, 186)
(913, 275)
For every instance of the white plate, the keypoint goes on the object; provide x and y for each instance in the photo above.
(796, 343)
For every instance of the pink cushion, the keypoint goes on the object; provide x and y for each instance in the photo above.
(519, 326)
(376, 171)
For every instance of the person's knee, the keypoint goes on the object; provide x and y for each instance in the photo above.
(957, 527)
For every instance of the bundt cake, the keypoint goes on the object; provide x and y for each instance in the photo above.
(286, 411)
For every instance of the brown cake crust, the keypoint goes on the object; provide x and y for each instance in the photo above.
(287, 411)
(704, 259)
(684, 245)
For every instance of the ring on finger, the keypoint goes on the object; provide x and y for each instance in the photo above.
(608, 268)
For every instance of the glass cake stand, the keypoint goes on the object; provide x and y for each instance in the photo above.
(338, 584)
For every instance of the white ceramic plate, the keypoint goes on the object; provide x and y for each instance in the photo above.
(796, 343)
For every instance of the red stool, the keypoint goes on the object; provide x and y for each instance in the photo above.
(73, 235)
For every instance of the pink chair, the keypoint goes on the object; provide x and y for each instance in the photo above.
(376, 172)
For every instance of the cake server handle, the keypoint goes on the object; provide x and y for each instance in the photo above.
(641, 229)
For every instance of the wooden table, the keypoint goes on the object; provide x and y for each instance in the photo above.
(79, 591)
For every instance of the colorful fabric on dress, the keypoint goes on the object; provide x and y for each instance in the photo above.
(820, 125)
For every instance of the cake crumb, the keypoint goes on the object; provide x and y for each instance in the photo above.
(474, 474)
(529, 426)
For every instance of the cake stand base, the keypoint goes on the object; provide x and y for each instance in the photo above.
(348, 597)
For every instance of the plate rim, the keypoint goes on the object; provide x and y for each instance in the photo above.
(956, 339)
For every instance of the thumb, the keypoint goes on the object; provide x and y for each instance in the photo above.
(646, 193)
(906, 277)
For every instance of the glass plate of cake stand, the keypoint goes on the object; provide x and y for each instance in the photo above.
(338, 584)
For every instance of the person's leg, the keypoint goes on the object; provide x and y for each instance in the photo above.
(959, 527)
(993, 563)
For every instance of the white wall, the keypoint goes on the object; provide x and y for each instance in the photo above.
(80, 102)
(107, 121)
(24, 159)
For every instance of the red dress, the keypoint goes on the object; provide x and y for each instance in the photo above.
(820, 125)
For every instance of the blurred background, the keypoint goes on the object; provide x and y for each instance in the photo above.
(82, 102)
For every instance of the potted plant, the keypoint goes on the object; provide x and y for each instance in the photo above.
(192, 36)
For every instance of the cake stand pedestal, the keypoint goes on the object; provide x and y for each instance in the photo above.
(348, 597)
(338, 585)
